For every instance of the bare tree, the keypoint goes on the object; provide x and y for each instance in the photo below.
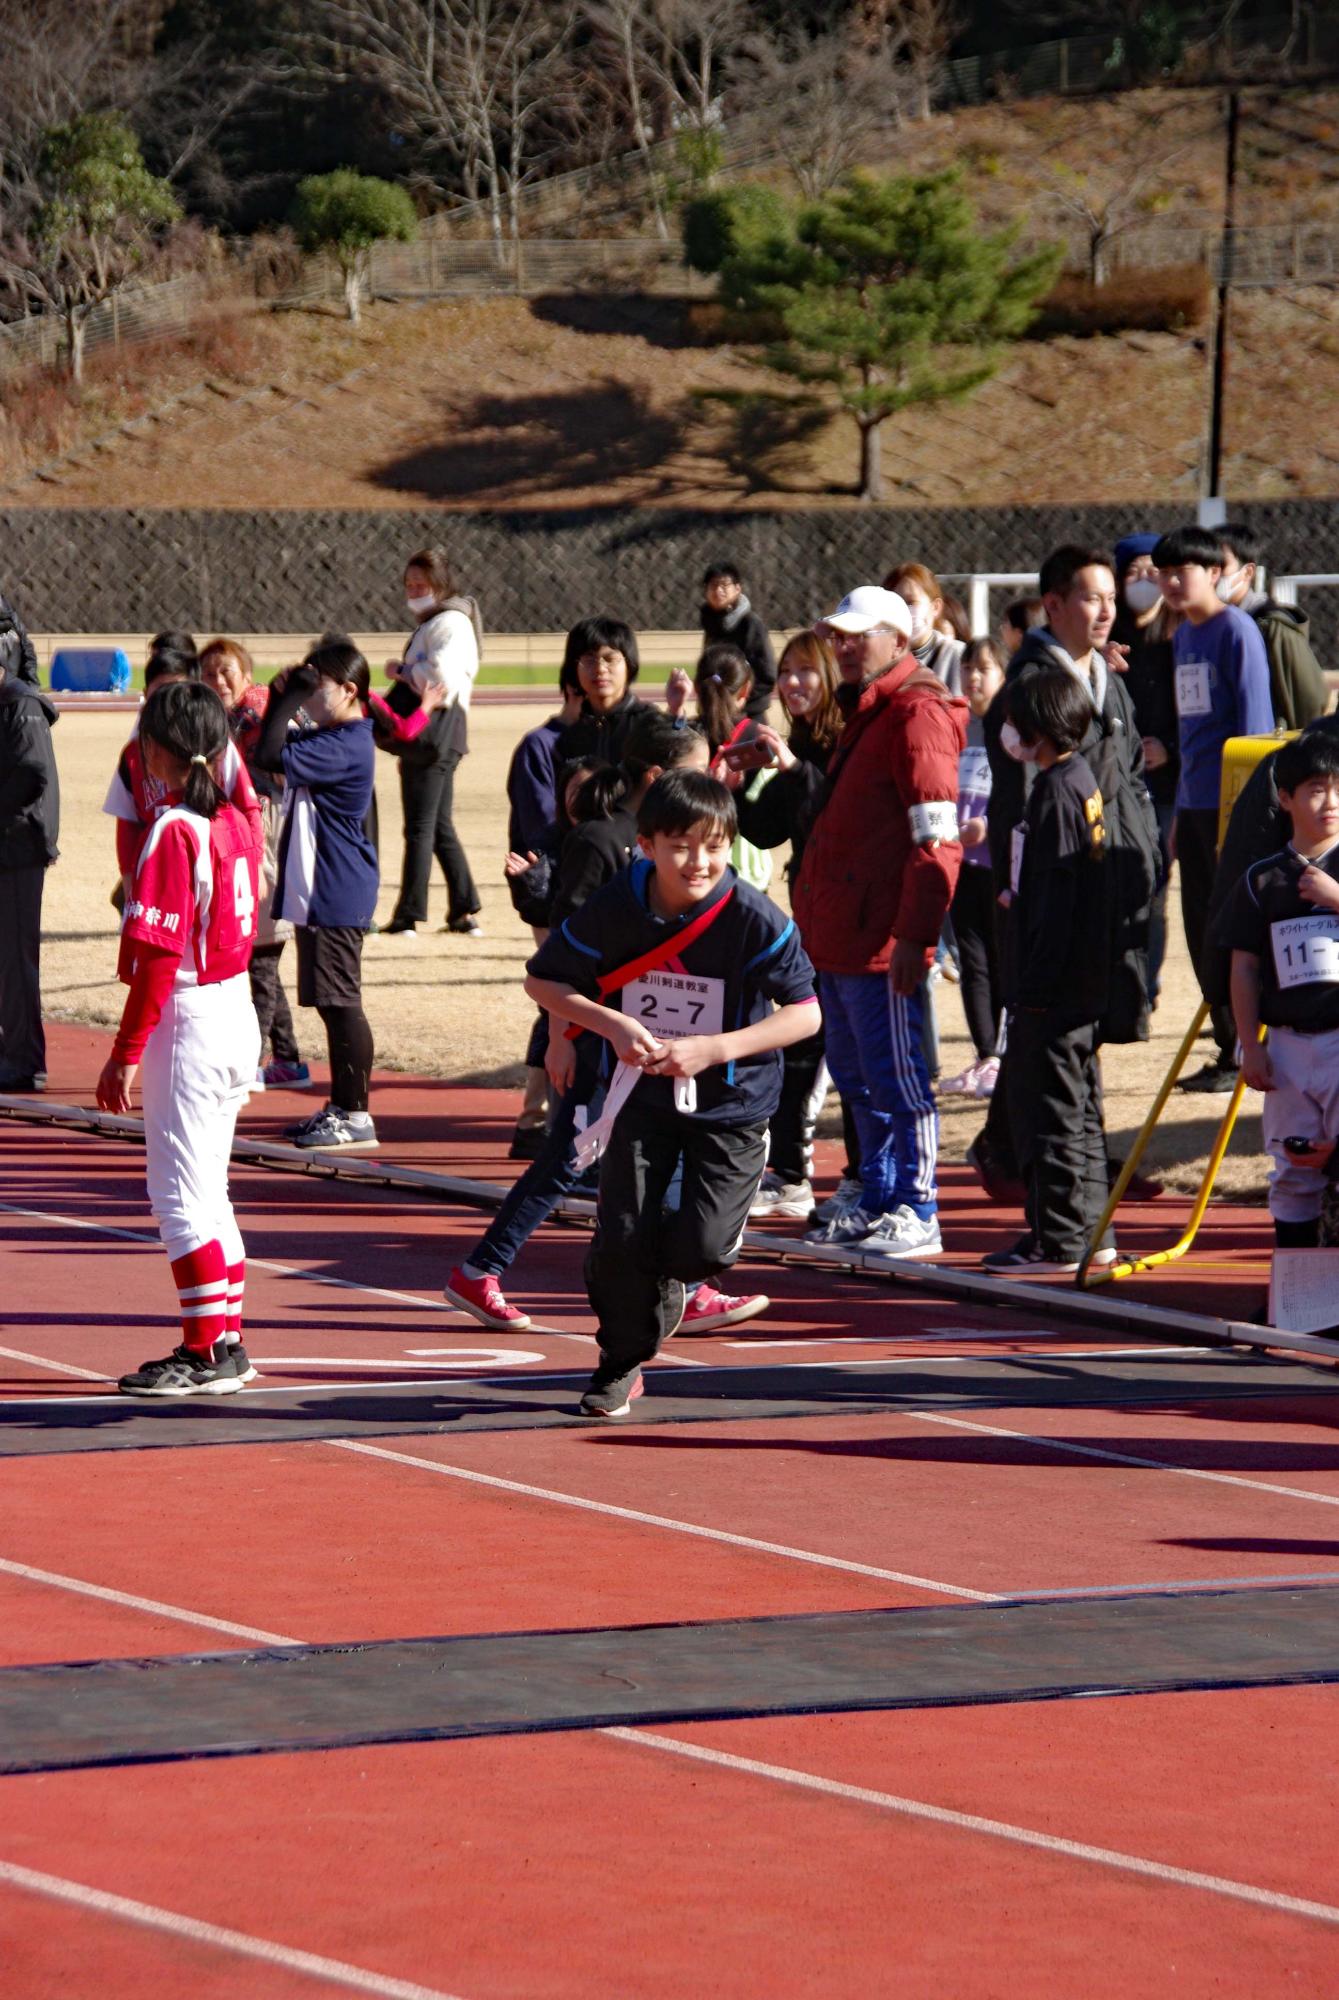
(539, 103)
(60, 58)
(1109, 196)
(911, 38)
(821, 99)
(629, 78)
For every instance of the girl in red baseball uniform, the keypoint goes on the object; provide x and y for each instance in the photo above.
(190, 922)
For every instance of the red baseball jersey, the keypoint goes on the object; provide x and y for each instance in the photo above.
(196, 890)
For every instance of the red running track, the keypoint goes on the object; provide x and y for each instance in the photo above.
(1159, 1843)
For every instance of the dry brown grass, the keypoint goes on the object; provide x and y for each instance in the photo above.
(453, 1007)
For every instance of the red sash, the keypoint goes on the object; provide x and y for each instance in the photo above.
(661, 954)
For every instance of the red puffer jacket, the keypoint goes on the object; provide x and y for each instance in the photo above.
(883, 858)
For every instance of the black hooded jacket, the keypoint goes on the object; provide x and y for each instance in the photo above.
(1114, 754)
(29, 787)
(742, 627)
(18, 661)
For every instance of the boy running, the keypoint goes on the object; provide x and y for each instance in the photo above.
(677, 964)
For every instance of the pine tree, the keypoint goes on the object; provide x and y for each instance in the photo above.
(885, 294)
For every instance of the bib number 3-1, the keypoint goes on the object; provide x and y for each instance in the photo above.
(1194, 695)
(671, 1004)
(1306, 951)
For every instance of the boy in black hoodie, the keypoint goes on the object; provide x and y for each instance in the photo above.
(1058, 957)
(728, 619)
(29, 826)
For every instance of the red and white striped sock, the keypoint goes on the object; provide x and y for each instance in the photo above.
(201, 1278)
(236, 1289)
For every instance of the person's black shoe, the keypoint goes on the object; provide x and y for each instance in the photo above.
(22, 1086)
(527, 1142)
(185, 1372)
(242, 1362)
(673, 1300)
(1216, 1079)
(994, 1178)
(611, 1395)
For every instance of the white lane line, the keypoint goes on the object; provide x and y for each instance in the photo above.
(1123, 1458)
(254, 1263)
(996, 1829)
(658, 1520)
(56, 1367)
(293, 1388)
(334, 1971)
(133, 1603)
(645, 1739)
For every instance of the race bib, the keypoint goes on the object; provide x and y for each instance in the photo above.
(974, 771)
(1194, 688)
(1017, 847)
(1306, 950)
(675, 1003)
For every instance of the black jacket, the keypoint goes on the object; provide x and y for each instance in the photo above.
(742, 627)
(786, 808)
(1114, 754)
(1150, 682)
(593, 853)
(29, 787)
(601, 736)
(17, 657)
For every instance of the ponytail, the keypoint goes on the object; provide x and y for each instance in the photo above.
(189, 723)
(723, 675)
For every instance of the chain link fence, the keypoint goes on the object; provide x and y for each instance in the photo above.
(112, 570)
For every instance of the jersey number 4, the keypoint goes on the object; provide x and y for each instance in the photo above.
(243, 901)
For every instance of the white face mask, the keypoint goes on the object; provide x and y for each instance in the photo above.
(922, 626)
(1226, 587)
(418, 605)
(1013, 746)
(1142, 593)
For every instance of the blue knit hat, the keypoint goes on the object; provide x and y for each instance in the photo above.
(1130, 546)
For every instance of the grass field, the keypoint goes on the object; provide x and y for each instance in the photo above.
(453, 1007)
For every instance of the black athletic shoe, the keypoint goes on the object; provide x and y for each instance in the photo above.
(22, 1086)
(305, 1125)
(674, 1301)
(611, 1395)
(185, 1373)
(527, 1142)
(242, 1362)
(1216, 1079)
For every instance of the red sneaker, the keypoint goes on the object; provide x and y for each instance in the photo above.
(482, 1300)
(707, 1310)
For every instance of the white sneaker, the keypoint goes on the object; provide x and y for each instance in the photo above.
(903, 1233)
(841, 1203)
(787, 1201)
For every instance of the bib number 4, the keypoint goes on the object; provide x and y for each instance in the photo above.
(243, 897)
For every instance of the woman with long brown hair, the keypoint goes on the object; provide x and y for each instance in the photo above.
(785, 810)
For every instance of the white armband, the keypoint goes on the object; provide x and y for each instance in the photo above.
(933, 819)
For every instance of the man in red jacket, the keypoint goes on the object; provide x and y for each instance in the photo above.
(876, 881)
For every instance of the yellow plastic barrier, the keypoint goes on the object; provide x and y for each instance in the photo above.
(1241, 755)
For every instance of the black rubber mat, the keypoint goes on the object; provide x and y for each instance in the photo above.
(705, 1395)
(325, 1697)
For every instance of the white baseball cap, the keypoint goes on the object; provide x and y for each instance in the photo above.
(866, 607)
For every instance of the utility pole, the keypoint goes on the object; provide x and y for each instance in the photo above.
(1213, 505)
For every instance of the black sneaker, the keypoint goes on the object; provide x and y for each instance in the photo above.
(611, 1395)
(464, 927)
(1216, 1079)
(186, 1373)
(673, 1304)
(242, 1362)
(527, 1142)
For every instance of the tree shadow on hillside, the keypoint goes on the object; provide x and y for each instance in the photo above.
(510, 446)
(663, 321)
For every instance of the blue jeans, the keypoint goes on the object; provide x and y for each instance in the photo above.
(876, 1054)
(545, 1182)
